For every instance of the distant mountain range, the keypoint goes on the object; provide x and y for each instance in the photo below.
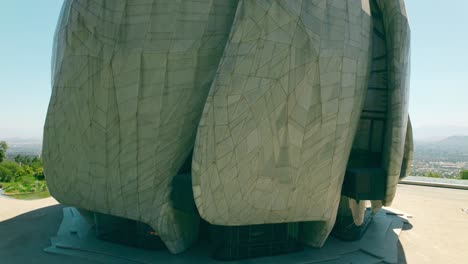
(438, 133)
(460, 142)
(453, 149)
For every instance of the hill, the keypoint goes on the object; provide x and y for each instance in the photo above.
(445, 157)
(452, 149)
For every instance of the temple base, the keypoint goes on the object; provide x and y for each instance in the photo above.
(127, 232)
(240, 242)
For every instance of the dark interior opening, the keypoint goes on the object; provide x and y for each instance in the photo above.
(365, 177)
(250, 241)
(127, 232)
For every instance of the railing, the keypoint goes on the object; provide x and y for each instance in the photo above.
(436, 182)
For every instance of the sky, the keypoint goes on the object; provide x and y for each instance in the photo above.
(439, 65)
(26, 29)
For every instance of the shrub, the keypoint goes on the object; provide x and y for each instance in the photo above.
(39, 174)
(5, 174)
(36, 163)
(464, 174)
(28, 170)
(433, 175)
(9, 170)
(26, 186)
(20, 172)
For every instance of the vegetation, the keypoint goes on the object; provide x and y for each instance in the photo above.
(25, 184)
(23, 175)
(464, 174)
(433, 174)
(3, 149)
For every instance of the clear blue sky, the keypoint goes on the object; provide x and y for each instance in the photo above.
(439, 74)
(26, 29)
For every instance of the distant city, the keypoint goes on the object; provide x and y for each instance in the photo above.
(23, 146)
(444, 158)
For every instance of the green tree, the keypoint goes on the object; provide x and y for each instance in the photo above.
(39, 174)
(23, 160)
(36, 163)
(3, 149)
(20, 172)
(464, 174)
(9, 170)
(28, 170)
(6, 175)
(433, 174)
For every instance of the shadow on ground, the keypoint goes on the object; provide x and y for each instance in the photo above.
(401, 251)
(401, 254)
(24, 237)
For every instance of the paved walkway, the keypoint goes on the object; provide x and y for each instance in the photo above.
(10, 208)
(25, 230)
(439, 228)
